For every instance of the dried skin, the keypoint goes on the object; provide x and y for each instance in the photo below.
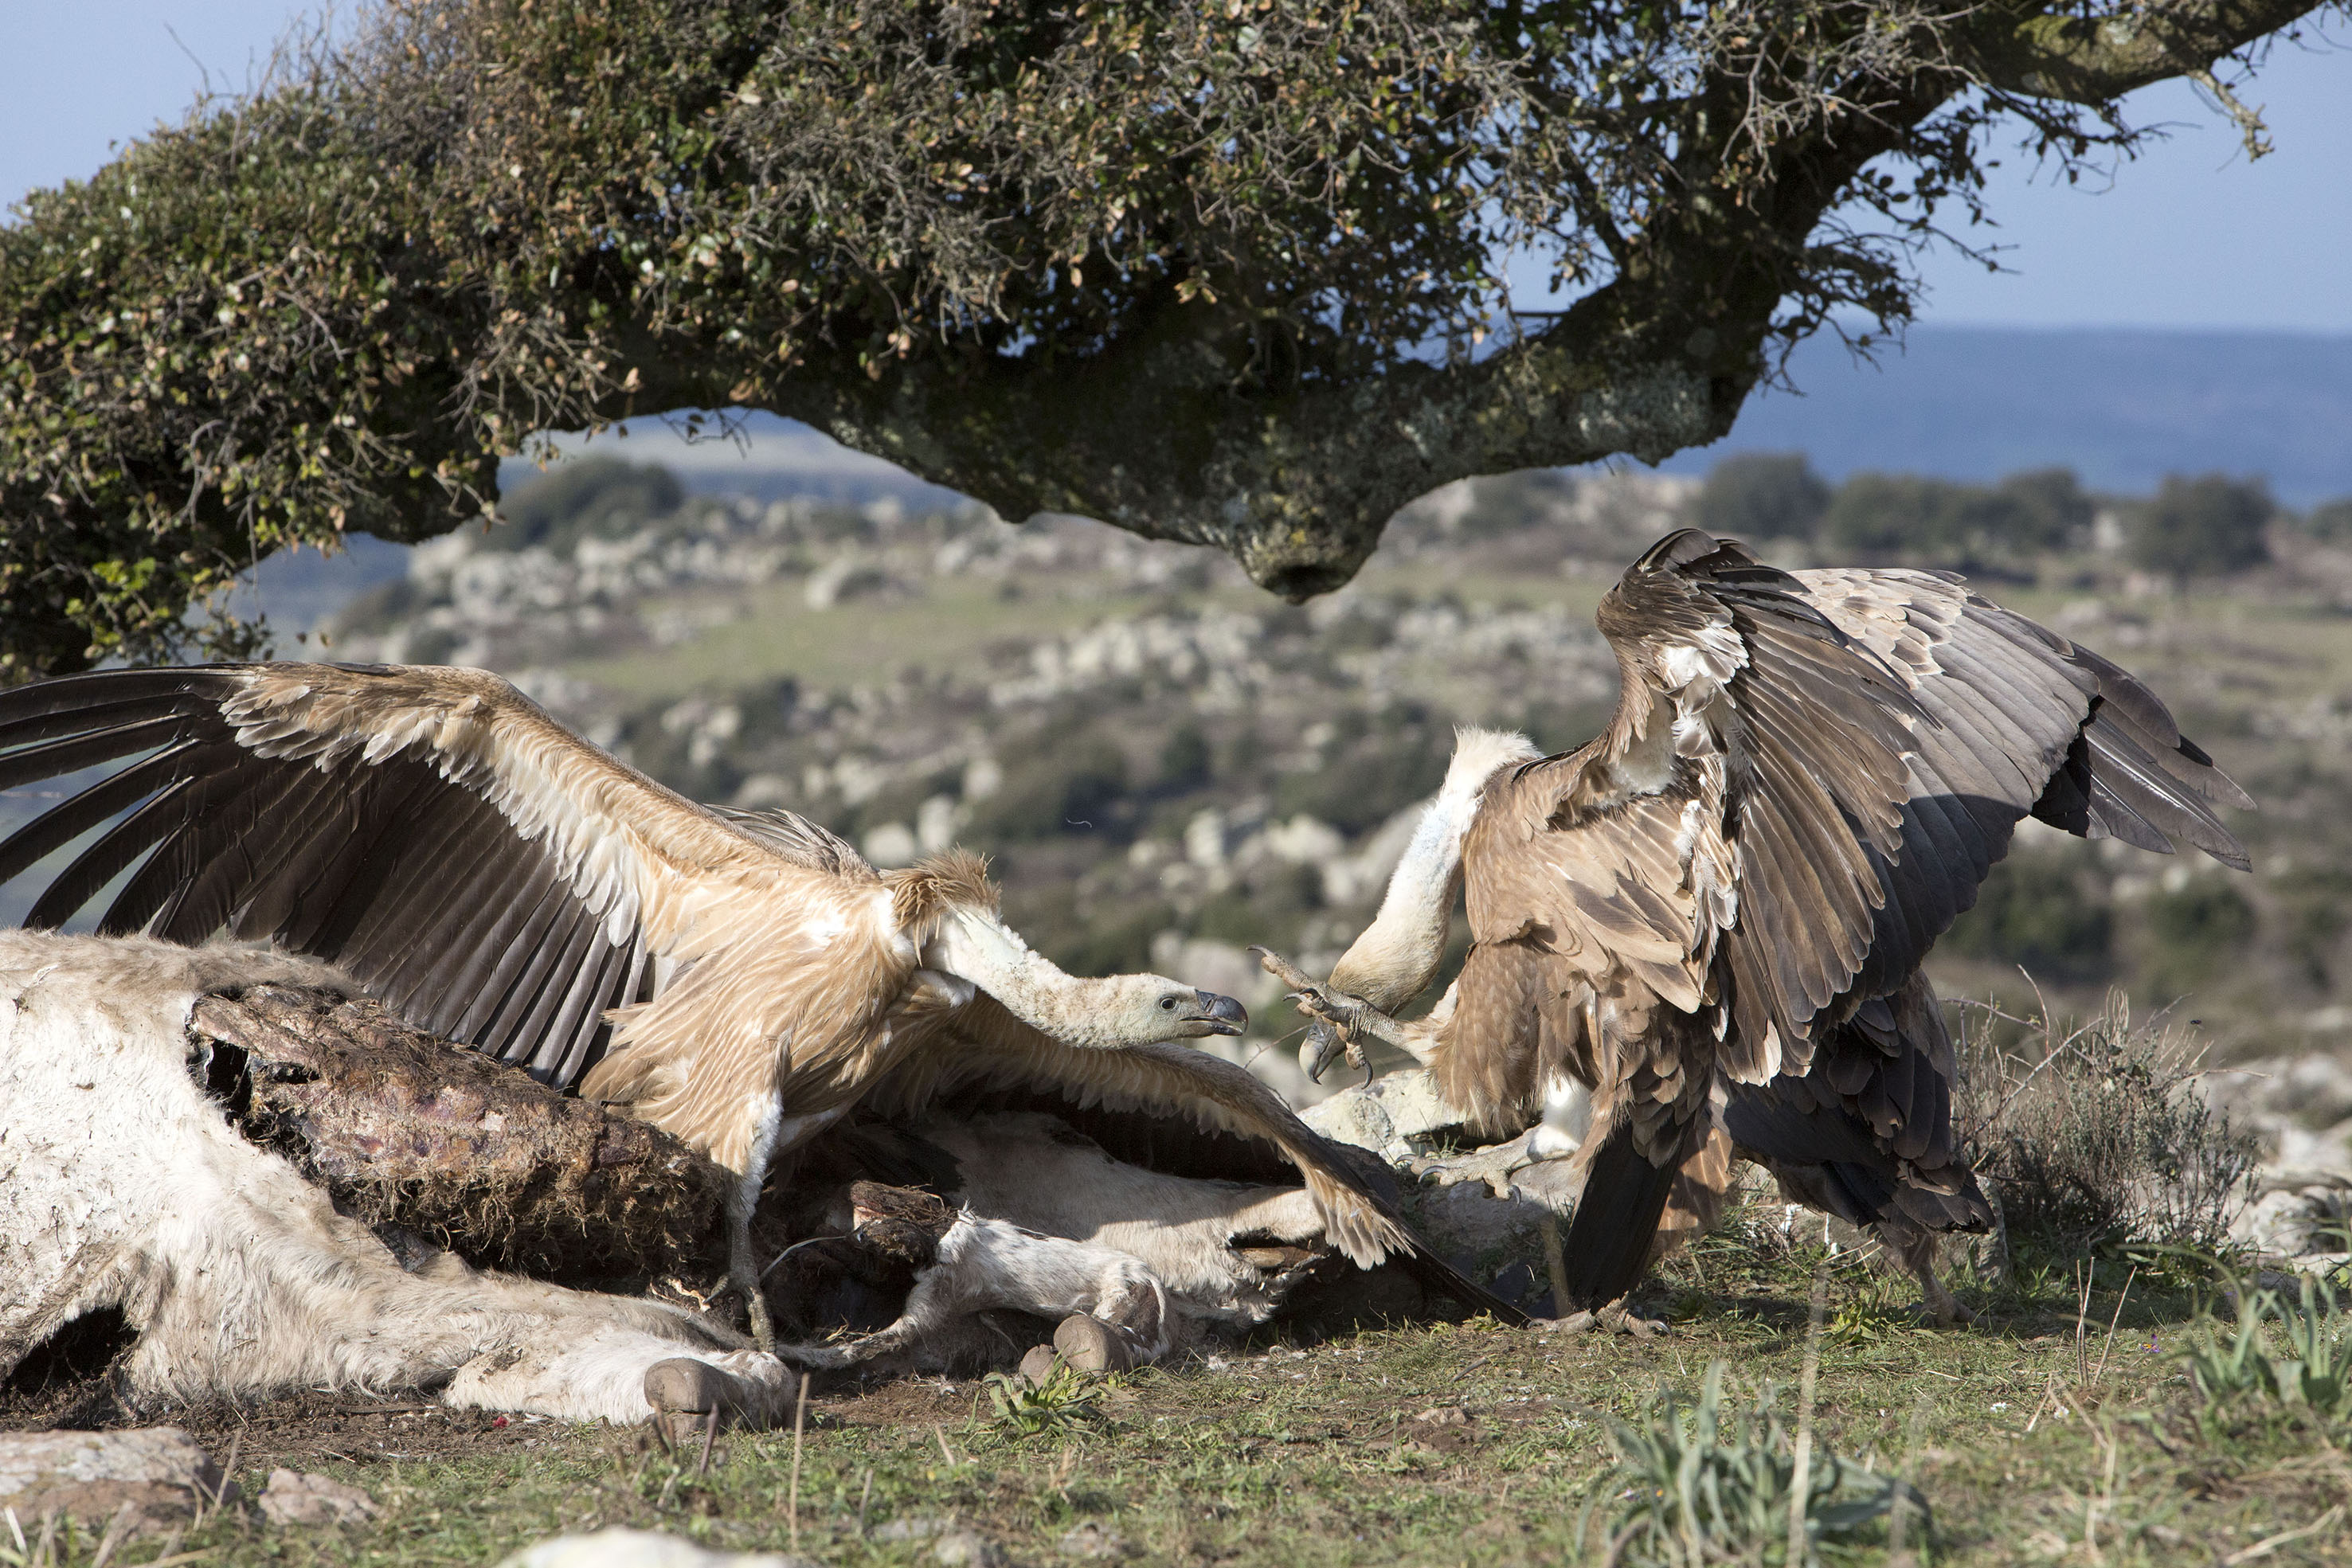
(405, 1130)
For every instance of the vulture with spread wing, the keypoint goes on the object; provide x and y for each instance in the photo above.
(1712, 916)
(740, 979)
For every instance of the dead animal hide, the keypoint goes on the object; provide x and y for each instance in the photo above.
(405, 1130)
(1227, 1252)
(981, 1266)
(122, 1185)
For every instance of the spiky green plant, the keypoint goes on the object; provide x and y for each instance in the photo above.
(1066, 1398)
(1694, 1493)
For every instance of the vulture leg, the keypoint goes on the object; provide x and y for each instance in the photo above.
(743, 1276)
(1915, 1244)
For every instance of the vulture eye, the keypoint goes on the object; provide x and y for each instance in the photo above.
(1168, 1004)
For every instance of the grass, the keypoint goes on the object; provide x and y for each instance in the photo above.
(2038, 1436)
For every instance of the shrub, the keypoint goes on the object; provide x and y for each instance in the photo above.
(2202, 526)
(2038, 910)
(2331, 522)
(1906, 515)
(1064, 787)
(1762, 496)
(2045, 508)
(1368, 783)
(2196, 931)
(2099, 1136)
(1186, 762)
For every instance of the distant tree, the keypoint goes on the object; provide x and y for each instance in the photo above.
(1885, 516)
(2196, 931)
(1226, 273)
(2045, 508)
(2036, 910)
(2330, 522)
(1904, 516)
(1762, 496)
(587, 496)
(2206, 525)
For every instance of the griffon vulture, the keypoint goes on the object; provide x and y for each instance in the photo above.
(739, 979)
(1725, 898)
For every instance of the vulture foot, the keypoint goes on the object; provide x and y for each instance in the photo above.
(1609, 1320)
(1492, 1164)
(1340, 1022)
(1915, 1246)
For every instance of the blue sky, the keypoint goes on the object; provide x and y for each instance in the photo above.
(2191, 235)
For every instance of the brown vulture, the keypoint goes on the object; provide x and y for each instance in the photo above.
(1711, 917)
(740, 979)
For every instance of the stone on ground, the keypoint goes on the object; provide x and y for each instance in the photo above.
(158, 1473)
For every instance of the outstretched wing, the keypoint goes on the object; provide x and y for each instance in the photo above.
(488, 874)
(1806, 775)
(2018, 721)
(986, 1048)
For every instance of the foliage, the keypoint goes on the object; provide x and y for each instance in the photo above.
(1232, 274)
(2331, 522)
(2235, 1370)
(1062, 787)
(2098, 1136)
(1762, 496)
(1884, 517)
(2039, 909)
(2198, 929)
(1697, 1495)
(587, 496)
(1067, 1397)
(2209, 524)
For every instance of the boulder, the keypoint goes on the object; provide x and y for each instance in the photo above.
(157, 1473)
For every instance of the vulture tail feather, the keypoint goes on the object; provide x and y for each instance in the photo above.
(1607, 1247)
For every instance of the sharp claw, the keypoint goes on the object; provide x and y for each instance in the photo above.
(1324, 1039)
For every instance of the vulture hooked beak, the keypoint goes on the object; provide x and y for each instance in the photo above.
(1223, 1015)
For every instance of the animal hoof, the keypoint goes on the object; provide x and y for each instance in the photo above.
(1091, 1344)
(1038, 1364)
(685, 1386)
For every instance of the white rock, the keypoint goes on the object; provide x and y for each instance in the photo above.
(641, 1549)
(298, 1497)
(1386, 1115)
(1303, 840)
(891, 845)
(158, 1472)
(936, 822)
(1204, 839)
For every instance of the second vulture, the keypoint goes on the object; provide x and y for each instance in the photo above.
(1711, 917)
(740, 979)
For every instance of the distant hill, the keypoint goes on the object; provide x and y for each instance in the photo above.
(2123, 408)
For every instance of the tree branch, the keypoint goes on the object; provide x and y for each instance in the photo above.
(2092, 60)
